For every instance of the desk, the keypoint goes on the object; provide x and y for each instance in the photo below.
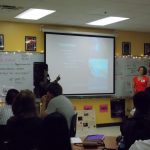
(110, 143)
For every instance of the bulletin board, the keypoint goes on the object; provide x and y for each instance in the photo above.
(86, 121)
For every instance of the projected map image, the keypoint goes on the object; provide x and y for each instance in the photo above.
(99, 71)
(98, 67)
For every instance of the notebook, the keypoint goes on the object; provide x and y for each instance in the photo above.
(93, 141)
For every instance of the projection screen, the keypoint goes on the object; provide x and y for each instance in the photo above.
(85, 63)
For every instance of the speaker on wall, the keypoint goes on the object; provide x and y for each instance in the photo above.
(38, 78)
(38, 72)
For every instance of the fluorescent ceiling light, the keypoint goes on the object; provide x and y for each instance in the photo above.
(107, 20)
(34, 14)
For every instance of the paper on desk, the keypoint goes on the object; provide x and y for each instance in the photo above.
(75, 140)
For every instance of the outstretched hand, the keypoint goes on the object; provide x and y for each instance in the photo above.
(44, 99)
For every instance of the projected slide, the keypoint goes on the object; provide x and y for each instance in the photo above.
(84, 63)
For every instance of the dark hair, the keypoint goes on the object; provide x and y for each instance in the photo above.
(24, 104)
(55, 89)
(141, 102)
(11, 95)
(144, 70)
(55, 133)
(45, 67)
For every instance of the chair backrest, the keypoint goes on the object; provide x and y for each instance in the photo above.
(3, 137)
(3, 133)
(73, 125)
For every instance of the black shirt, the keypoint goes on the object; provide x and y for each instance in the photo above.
(24, 133)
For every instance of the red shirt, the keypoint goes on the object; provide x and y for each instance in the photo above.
(140, 84)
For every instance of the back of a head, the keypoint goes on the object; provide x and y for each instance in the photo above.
(141, 102)
(56, 132)
(55, 89)
(11, 95)
(24, 104)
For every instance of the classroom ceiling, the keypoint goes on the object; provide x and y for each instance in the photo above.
(80, 12)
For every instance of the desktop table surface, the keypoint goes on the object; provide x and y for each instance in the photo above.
(110, 143)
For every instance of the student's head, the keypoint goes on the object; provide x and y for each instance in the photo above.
(141, 102)
(142, 70)
(24, 104)
(55, 133)
(11, 95)
(54, 89)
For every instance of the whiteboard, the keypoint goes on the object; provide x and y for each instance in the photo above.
(126, 69)
(16, 70)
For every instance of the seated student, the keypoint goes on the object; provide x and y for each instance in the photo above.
(6, 111)
(141, 145)
(24, 126)
(147, 90)
(55, 101)
(55, 133)
(137, 127)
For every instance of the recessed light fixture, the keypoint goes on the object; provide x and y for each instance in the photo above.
(34, 14)
(107, 20)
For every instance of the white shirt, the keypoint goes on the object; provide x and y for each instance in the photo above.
(141, 145)
(5, 113)
(62, 105)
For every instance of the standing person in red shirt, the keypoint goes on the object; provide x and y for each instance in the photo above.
(142, 81)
